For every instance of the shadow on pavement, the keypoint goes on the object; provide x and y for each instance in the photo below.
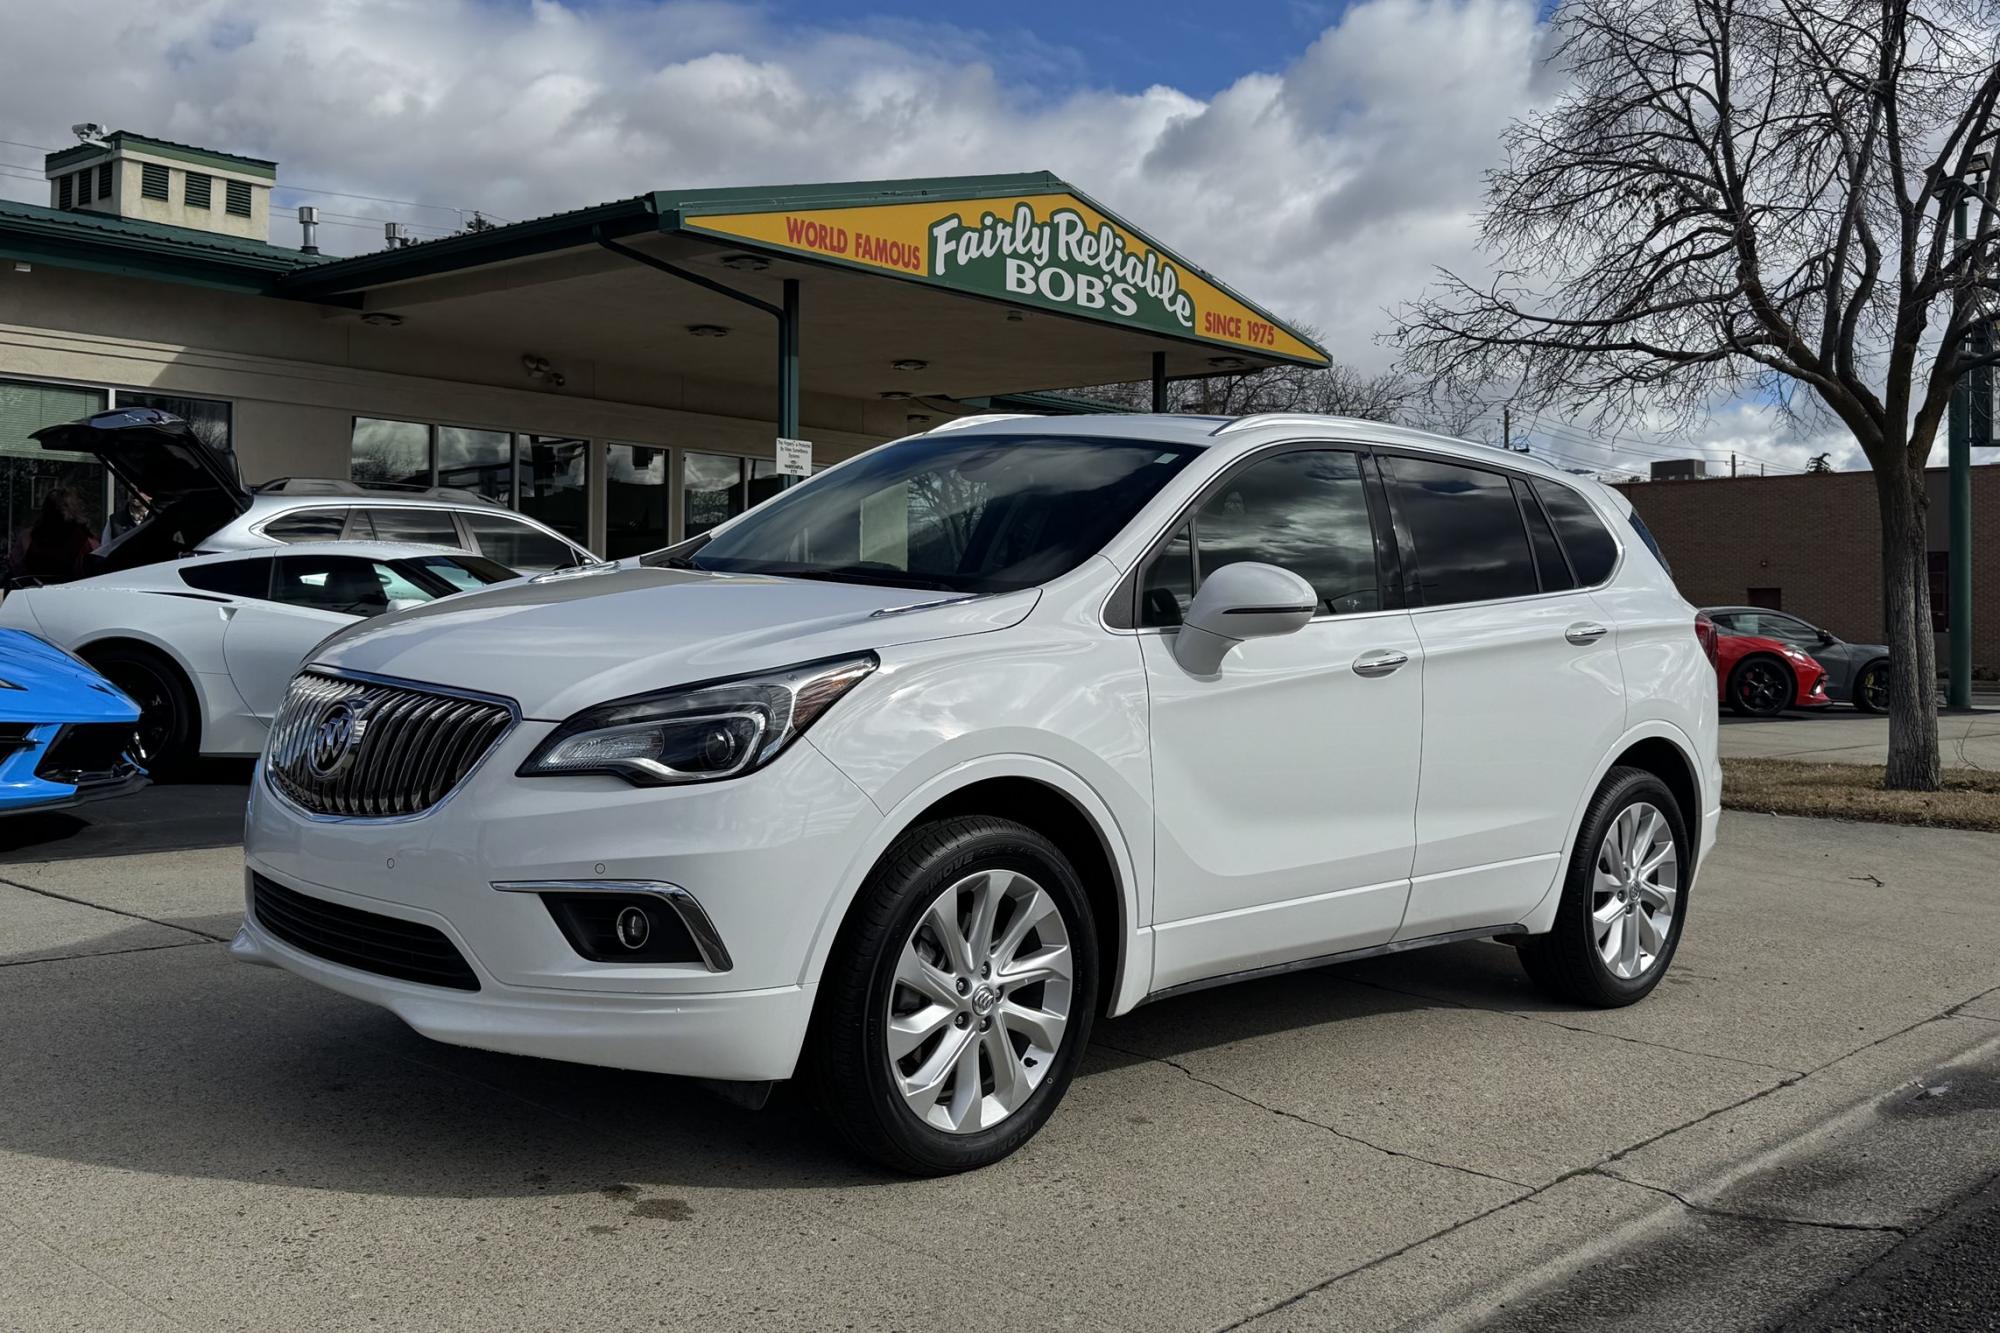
(203, 808)
(176, 1061)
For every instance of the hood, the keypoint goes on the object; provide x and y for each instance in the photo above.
(153, 452)
(567, 641)
(51, 686)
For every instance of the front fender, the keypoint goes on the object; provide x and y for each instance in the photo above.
(1134, 970)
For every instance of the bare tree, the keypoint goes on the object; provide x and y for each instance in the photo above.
(1335, 390)
(1751, 196)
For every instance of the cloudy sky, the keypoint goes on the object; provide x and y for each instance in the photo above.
(1324, 158)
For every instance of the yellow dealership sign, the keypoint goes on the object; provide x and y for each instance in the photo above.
(1053, 251)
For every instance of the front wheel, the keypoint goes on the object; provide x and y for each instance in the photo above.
(958, 999)
(1761, 687)
(169, 732)
(1871, 688)
(1624, 899)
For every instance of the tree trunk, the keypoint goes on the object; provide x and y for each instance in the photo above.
(1906, 605)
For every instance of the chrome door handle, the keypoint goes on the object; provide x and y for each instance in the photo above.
(1584, 632)
(1380, 662)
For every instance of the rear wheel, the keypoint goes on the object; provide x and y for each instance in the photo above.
(1871, 687)
(169, 726)
(958, 1000)
(1624, 899)
(1761, 687)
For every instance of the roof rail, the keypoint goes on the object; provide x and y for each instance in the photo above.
(981, 419)
(1267, 419)
(338, 486)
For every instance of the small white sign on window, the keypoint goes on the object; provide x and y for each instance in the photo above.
(795, 457)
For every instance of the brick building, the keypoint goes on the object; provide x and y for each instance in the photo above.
(1812, 545)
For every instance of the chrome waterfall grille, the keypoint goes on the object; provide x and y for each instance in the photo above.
(373, 750)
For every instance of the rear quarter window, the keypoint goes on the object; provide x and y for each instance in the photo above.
(231, 578)
(1593, 551)
(308, 525)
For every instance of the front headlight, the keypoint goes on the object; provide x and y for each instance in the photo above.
(698, 733)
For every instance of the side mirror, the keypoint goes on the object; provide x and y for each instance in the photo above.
(1827, 640)
(1238, 602)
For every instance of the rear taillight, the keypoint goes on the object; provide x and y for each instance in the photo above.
(1704, 630)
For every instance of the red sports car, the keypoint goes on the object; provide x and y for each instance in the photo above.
(1760, 677)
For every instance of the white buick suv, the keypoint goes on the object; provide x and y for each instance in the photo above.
(900, 780)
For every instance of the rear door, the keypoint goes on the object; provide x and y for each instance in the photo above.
(1523, 693)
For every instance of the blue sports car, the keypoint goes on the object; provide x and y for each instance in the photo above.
(66, 733)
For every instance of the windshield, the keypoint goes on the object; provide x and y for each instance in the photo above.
(447, 574)
(971, 513)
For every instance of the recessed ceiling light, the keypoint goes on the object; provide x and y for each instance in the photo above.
(746, 263)
(894, 395)
(1227, 362)
(381, 319)
(1015, 317)
(909, 363)
(708, 331)
(917, 418)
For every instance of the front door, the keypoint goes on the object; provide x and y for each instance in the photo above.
(1285, 786)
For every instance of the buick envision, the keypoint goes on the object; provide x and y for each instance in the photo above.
(900, 780)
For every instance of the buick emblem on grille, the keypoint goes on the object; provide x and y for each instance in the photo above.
(336, 736)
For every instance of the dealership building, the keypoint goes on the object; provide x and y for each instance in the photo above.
(620, 372)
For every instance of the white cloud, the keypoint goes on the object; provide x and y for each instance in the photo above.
(1327, 190)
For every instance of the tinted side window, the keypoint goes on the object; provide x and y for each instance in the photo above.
(1592, 550)
(346, 584)
(430, 527)
(231, 578)
(515, 544)
(1470, 543)
(308, 525)
(1305, 511)
(1549, 562)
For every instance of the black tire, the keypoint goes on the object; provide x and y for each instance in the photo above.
(169, 722)
(1566, 963)
(1761, 686)
(846, 1063)
(1871, 687)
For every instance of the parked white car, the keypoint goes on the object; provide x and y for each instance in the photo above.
(206, 645)
(900, 780)
(199, 506)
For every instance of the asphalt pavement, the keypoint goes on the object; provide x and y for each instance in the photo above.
(1418, 1141)
(1841, 735)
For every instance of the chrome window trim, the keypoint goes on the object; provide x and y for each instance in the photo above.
(1182, 514)
(514, 718)
(707, 940)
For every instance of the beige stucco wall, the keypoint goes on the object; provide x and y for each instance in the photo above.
(298, 374)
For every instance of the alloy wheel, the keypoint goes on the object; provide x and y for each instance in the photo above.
(1635, 890)
(1875, 688)
(1762, 687)
(980, 1001)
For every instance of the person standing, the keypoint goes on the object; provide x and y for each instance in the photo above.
(55, 546)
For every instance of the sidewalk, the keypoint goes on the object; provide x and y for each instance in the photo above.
(186, 1142)
(1843, 736)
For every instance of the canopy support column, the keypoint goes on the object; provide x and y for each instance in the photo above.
(1159, 381)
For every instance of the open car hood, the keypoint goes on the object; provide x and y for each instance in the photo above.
(192, 489)
(153, 452)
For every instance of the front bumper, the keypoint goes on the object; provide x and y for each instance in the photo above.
(763, 855)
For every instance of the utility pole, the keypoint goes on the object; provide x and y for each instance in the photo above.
(1732, 465)
(1506, 427)
(1958, 447)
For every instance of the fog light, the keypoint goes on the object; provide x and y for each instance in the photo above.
(634, 927)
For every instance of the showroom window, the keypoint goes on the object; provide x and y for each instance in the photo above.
(29, 473)
(637, 511)
(552, 482)
(480, 461)
(715, 487)
(544, 476)
(391, 451)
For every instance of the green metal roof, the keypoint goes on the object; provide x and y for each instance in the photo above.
(106, 244)
(178, 152)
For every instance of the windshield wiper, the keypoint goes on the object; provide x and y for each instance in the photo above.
(870, 573)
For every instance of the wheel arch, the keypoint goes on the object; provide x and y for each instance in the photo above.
(1765, 655)
(1056, 803)
(1658, 748)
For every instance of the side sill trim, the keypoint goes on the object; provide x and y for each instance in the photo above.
(1328, 959)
